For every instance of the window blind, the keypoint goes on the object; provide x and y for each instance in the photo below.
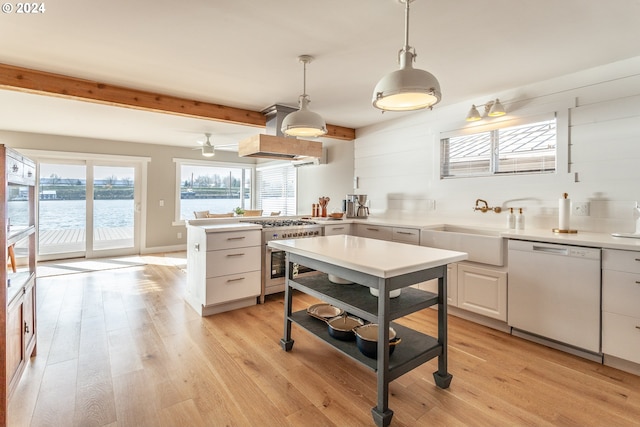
(276, 189)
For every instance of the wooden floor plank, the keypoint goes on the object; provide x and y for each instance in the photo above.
(122, 348)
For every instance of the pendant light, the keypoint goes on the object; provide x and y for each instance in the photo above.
(304, 122)
(408, 88)
(207, 148)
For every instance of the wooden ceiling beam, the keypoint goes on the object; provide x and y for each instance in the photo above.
(44, 83)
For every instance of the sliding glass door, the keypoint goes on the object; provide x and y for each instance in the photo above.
(87, 209)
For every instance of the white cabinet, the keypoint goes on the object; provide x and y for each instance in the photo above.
(475, 288)
(332, 230)
(452, 285)
(223, 267)
(482, 290)
(620, 308)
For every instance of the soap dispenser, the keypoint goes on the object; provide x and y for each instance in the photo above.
(511, 219)
(520, 220)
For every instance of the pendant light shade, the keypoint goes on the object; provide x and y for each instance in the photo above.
(207, 148)
(304, 122)
(408, 88)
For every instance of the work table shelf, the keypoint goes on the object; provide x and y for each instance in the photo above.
(415, 348)
(357, 299)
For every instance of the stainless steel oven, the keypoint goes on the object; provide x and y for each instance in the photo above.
(273, 260)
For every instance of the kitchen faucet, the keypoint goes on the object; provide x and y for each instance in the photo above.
(486, 207)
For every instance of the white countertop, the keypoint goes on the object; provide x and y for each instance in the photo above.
(379, 258)
(581, 238)
(220, 228)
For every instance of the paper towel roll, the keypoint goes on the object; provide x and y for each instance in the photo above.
(565, 212)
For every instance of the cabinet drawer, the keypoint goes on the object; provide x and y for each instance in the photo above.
(231, 261)
(233, 287)
(374, 232)
(628, 261)
(621, 292)
(621, 336)
(406, 235)
(233, 239)
(332, 230)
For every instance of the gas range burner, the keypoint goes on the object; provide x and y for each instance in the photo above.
(268, 223)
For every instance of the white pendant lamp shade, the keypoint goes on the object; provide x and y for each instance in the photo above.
(304, 122)
(408, 88)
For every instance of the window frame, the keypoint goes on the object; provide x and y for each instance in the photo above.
(208, 163)
(493, 158)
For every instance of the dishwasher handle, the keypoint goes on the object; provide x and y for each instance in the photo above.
(551, 250)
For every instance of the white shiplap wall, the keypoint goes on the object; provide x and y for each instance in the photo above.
(598, 110)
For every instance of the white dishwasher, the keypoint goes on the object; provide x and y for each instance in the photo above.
(554, 292)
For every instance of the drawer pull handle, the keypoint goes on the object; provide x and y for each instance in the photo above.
(637, 259)
(404, 232)
(338, 228)
(235, 280)
(372, 229)
(230, 255)
(236, 238)
(637, 326)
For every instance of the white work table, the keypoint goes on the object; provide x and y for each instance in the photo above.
(379, 258)
(385, 266)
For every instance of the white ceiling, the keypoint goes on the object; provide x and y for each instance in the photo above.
(243, 53)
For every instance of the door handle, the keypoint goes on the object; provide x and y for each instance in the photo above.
(232, 255)
(235, 280)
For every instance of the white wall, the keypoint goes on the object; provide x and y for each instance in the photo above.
(333, 179)
(397, 163)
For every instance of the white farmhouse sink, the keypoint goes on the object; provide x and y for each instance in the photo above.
(483, 245)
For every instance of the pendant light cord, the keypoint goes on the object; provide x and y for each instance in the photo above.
(406, 25)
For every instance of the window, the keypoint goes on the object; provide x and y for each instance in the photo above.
(215, 187)
(276, 189)
(525, 148)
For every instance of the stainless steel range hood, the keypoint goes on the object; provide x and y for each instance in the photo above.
(273, 144)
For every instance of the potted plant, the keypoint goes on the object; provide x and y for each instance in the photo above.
(239, 211)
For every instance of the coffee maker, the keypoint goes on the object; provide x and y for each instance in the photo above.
(363, 209)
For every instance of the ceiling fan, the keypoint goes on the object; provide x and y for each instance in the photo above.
(208, 149)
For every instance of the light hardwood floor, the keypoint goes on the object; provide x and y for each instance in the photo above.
(121, 348)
